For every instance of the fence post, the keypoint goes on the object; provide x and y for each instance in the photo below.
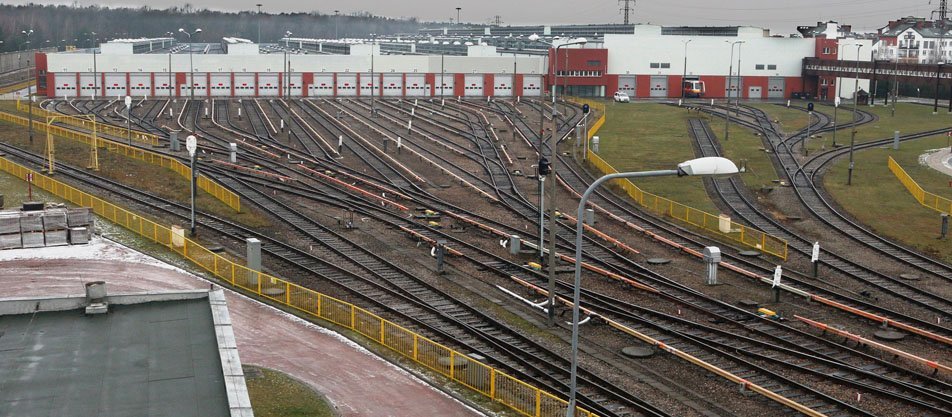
(287, 293)
(353, 317)
(415, 343)
(382, 323)
(538, 408)
(452, 364)
(492, 384)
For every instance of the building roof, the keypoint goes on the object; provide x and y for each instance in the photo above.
(925, 28)
(154, 358)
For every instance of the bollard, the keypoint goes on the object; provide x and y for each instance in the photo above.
(340, 144)
(282, 126)
(776, 283)
(712, 257)
(239, 113)
(595, 141)
(170, 113)
(399, 144)
(515, 244)
(174, 142)
(386, 145)
(254, 259)
(206, 112)
(233, 153)
(590, 217)
(896, 140)
(945, 226)
(815, 259)
(440, 251)
(578, 136)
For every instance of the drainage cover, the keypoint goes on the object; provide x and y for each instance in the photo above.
(889, 335)
(638, 351)
(658, 261)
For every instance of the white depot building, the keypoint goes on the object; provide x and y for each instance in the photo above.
(651, 61)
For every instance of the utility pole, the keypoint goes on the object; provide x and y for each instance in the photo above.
(627, 6)
(457, 15)
(259, 22)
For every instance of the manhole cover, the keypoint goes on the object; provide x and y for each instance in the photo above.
(749, 253)
(271, 292)
(658, 261)
(910, 277)
(889, 335)
(638, 351)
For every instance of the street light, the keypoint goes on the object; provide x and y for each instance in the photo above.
(553, 144)
(191, 66)
(849, 176)
(938, 71)
(457, 15)
(29, 86)
(709, 166)
(129, 118)
(191, 144)
(95, 40)
(730, 77)
(259, 22)
(287, 65)
(336, 19)
(685, 66)
(169, 86)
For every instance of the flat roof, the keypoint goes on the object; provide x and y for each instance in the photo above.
(148, 359)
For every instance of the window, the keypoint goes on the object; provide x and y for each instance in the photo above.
(594, 63)
(665, 65)
(826, 50)
(655, 65)
(759, 66)
(771, 67)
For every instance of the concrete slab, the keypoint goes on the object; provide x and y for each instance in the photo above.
(355, 381)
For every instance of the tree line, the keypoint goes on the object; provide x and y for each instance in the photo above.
(59, 26)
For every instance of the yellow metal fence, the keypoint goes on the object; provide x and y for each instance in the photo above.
(204, 183)
(597, 107)
(475, 375)
(718, 225)
(930, 200)
(103, 128)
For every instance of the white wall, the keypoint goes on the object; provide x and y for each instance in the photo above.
(847, 52)
(83, 62)
(707, 55)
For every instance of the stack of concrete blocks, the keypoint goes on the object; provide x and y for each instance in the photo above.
(31, 229)
(80, 225)
(10, 231)
(55, 228)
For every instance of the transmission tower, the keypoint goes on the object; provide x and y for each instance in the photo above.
(628, 5)
(942, 12)
(497, 20)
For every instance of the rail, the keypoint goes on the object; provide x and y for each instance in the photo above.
(103, 128)
(490, 382)
(221, 193)
(930, 200)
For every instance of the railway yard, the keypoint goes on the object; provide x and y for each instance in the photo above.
(351, 197)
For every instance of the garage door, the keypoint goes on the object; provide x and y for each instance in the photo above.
(221, 84)
(626, 84)
(734, 84)
(776, 87)
(393, 85)
(65, 85)
(164, 86)
(295, 84)
(444, 88)
(659, 86)
(323, 86)
(200, 84)
(244, 84)
(370, 84)
(473, 85)
(140, 84)
(417, 86)
(90, 84)
(755, 92)
(502, 85)
(115, 84)
(347, 85)
(532, 85)
(268, 84)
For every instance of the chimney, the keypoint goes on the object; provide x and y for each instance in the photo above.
(96, 298)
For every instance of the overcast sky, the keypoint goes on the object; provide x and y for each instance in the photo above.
(781, 16)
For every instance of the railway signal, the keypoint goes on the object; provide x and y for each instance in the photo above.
(191, 144)
(775, 285)
(544, 167)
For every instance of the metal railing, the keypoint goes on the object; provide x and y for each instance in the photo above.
(221, 193)
(930, 200)
(103, 128)
(475, 375)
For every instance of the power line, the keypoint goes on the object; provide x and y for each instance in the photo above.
(628, 5)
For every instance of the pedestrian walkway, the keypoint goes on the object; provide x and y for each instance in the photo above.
(940, 160)
(355, 381)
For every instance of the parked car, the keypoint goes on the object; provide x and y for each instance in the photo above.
(621, 97)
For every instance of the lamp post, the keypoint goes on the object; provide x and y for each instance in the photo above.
(191, 144)
(287, 66)
(171, 35)
(336, 19)
(938, 72)
(95, 46)
(730, 75)
(29, 87)
(553, 145)
(685, 66)
(191, 66)
(696, 167)
(457, 15)
(129, 118)
(849, 176)
(259, 22)
(373, 80)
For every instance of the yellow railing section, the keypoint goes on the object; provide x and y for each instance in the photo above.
(721, 226)
(596, 107)
(17, 87)
(103, 128)
(475, 375)
(219, 192)
(930, 200)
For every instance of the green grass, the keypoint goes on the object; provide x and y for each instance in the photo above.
(274, 394)
(909, 118)
(879, 200)
(649, 136)
(791, 120)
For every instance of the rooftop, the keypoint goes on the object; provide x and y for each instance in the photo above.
(148, 356)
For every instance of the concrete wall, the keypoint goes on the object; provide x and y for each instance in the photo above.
(15, 60)
(846, 50)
